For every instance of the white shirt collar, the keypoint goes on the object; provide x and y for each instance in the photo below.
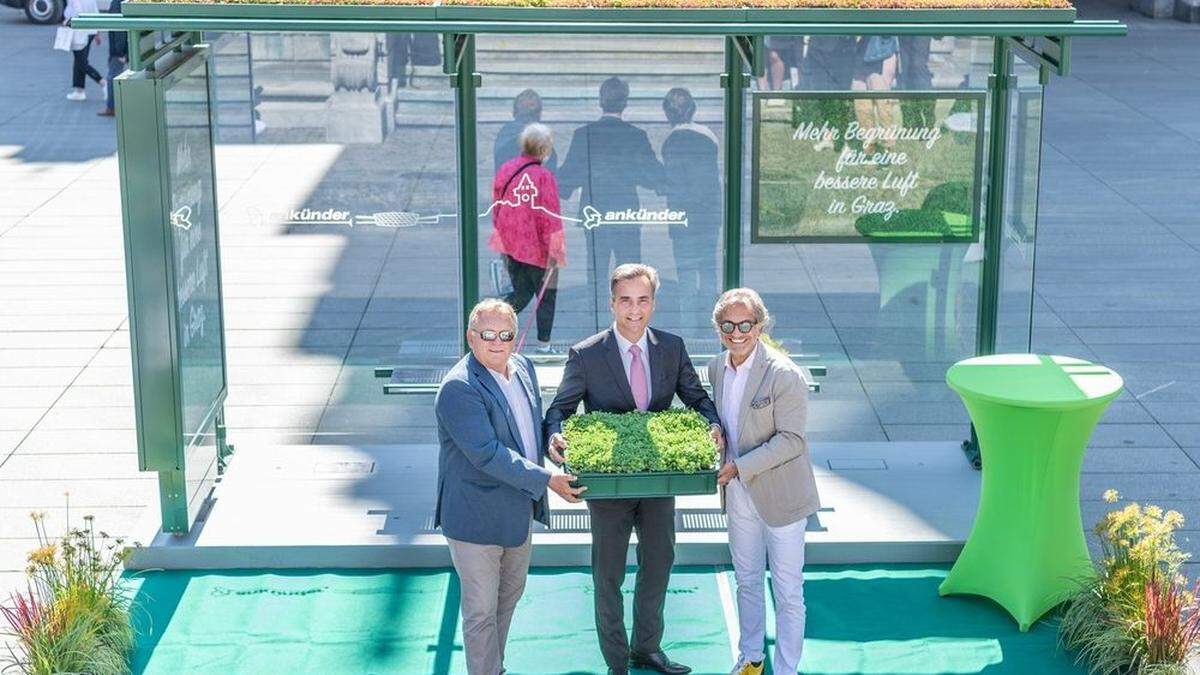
(500, 376)
(624, 344)
(746, 365)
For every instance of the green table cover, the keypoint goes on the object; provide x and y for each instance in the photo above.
(1033, 415)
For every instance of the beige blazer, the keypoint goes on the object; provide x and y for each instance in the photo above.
(773, 459)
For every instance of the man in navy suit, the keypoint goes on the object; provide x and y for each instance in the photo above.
(491, 482)
(621, 369)
(607, 161)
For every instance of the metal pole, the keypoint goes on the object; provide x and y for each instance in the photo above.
(465, 82)
(999, 85)
(735, 108)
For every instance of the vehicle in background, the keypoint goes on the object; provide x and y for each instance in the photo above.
(39, 11)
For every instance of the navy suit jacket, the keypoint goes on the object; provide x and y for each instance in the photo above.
(487, 489)
(595, 375)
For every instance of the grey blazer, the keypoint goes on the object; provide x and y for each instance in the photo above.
(773, 459)
(487, 490)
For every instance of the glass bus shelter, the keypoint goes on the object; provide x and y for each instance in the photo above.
(873, 173)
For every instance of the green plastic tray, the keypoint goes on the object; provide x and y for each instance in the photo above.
(646, 484)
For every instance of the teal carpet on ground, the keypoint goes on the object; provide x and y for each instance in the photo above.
(861, 619)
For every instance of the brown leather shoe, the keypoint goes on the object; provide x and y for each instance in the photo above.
(107, 112)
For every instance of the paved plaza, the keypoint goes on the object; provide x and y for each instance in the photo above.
(311, 312)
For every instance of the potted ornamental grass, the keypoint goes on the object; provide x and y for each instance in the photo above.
(1137, 614)
(641, 454)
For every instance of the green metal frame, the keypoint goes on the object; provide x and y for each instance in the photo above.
(460, 62)
(734, 81)
(978, 97)
(164, 445)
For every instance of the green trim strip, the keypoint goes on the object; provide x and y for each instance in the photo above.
(613, 14)
(1075, 28)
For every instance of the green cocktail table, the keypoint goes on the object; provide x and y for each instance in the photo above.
(1033, 415)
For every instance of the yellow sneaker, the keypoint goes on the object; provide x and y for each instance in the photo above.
(744, 667)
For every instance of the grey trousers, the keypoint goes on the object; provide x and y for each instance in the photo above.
(612, 522)
(492, 579)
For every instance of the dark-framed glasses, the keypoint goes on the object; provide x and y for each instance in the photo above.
(743, 326)
(492, 335)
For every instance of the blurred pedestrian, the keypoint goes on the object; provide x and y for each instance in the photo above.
(81, 45)
(118, 56)
(875, 70)
(527, 228)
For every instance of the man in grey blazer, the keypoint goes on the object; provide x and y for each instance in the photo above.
(491, 482)
(766, 478)
(625, 368)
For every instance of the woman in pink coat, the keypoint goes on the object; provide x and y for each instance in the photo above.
(527, 228)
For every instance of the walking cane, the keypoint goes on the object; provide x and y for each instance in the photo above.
(536, 304)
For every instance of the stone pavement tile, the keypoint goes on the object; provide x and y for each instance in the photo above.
(285, 374)
(1186, 435)
(78, 396)
(33, 397)
(100, 417)
(70, 441)
(44, 358)
(304, 417)
(85, 494)
(93, 375)
(1131, 435)
(9, 441)
(37, 467)
(1138, 460)
(1142, 485)
(63, 339)
(868, 433)
(42, 376)
(921, 412)
(78, 322)
(927, 432)
(1174, 412)
(247, 395)
(118, 521)
(19, 419)
(292, 339)
(248, 320)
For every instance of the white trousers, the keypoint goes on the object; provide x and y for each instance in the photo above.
(752, 544)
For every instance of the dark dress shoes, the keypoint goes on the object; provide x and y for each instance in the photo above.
(658, 661)
(612, 671)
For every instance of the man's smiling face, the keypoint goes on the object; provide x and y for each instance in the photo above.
(632, 306)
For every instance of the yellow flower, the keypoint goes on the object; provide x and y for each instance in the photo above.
(43, 555)
(1111, 496)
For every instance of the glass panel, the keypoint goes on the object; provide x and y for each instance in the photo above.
(636, 165)
(194, 243)
(339, 233)
(887, 319)
(1020, 213)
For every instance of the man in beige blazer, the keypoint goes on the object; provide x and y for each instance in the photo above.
(766, 478)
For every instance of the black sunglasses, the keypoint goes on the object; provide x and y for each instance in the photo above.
(491, 335)
(744, 326)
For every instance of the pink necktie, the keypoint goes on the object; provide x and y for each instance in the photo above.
(637, 378)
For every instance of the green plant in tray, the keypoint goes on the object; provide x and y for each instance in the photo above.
(671, 440)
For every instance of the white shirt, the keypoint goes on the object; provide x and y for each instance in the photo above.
(518, 402)
(733, 390)
(627, 358)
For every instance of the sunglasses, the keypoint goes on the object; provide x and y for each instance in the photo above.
(744, 326)
(491, 335)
